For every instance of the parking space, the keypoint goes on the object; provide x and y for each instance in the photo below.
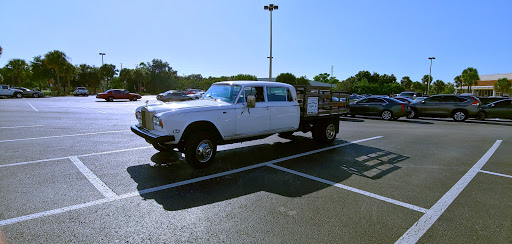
(72, 171)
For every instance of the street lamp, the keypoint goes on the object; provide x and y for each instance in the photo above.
(270, 8)
(102, 58)
(430, 75)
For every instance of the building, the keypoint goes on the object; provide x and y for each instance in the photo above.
(485, 86)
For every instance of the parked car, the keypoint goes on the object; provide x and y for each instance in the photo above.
(405, 100)
(173, 95)
(499, 109)
(386, 108)
(191, 91)
(459, 107)
(411, 95)
(6, 90)
(487, 100)
(419, 99)
(196, 95)
(112, 94)
(30, 93)
(81, 91)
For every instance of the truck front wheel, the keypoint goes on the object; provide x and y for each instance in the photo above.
(325, 132)
(200, 149)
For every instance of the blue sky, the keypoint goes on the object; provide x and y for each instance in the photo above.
(222, 37)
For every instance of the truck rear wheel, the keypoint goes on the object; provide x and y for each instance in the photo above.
(200, 149)
(325, 132)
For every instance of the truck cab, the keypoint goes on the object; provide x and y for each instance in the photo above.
(6, 90)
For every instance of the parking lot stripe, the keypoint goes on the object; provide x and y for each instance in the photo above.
(352, 189)
(100, 185)
(83, 155)
(48, 137)
(414, 233)
(492, 173)
(33, 107)
(21, 126)
(93, 110)
(159, 188)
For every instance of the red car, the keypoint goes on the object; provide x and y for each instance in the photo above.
(112, 94)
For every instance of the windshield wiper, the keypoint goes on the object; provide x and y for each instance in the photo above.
(211, 96)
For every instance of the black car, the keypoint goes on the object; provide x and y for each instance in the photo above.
(173, 95)
(30, 93)
(459, 107)
(499, 109)
(385, 107)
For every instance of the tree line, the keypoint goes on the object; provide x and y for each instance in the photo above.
(53, 70)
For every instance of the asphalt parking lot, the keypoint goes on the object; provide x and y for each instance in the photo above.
(72, 171)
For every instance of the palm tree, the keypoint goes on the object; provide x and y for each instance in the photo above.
(18, 68)
(470, 77)
(56, 60)
(458, 81)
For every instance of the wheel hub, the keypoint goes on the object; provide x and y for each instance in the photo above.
(330, 132)
(204, 151)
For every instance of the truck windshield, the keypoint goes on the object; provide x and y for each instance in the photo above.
(226, 93)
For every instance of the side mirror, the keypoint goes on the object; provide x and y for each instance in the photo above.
(251, 101)
(423, 102)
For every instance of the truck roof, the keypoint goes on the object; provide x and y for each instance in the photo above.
(252, 82)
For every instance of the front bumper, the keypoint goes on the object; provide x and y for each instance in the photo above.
(150, 137)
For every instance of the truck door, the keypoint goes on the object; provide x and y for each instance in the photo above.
(252, 121)
(284, 112)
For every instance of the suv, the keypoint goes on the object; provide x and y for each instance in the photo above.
(81, 91)
(458, 107)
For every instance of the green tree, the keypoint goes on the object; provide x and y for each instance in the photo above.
(324, 77)
(287, 78)
(458, 81)
(470, 77)
(56, 61)
(41, 74)
(302, 81)
(69, 72)
(142, 76)
(107, 72)
(406, 83)
(503, 85)
(18, 69)
(1, 50)
(427, 82)
(438, 86)
(243, 77)
(449, 88)
(419, 87)
(126, 78)
(93, 77)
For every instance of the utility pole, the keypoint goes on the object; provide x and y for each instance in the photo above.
(270, 8)
(430, 75)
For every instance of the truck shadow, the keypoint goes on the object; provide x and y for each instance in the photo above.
(335, 165)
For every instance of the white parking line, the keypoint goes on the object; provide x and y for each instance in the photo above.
(33, 107)
(21, 126)
(48, 137)
(100, 185)
(427, 220)
(352, 189)
(159, 188)
(493, 173)
(83, 155)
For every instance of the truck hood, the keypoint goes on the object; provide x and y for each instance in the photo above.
(190, 105)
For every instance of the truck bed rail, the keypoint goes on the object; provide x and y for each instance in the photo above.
(321, 101)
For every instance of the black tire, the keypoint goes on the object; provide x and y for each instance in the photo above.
(134, 98)
(110, 99)
(18, 95)
(35, 95)
(481, 115)
(286, 135)
(413, 114)
(459, 115)
(386, 115)
(200, 149)
(325, 132)
(163, 147)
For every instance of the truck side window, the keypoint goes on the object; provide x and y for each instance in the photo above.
(255, 91)
(277, 94)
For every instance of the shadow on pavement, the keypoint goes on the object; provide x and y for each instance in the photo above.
(335, 165)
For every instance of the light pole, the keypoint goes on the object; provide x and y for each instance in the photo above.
(270, 8)
(102, 54)
(430, 75)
